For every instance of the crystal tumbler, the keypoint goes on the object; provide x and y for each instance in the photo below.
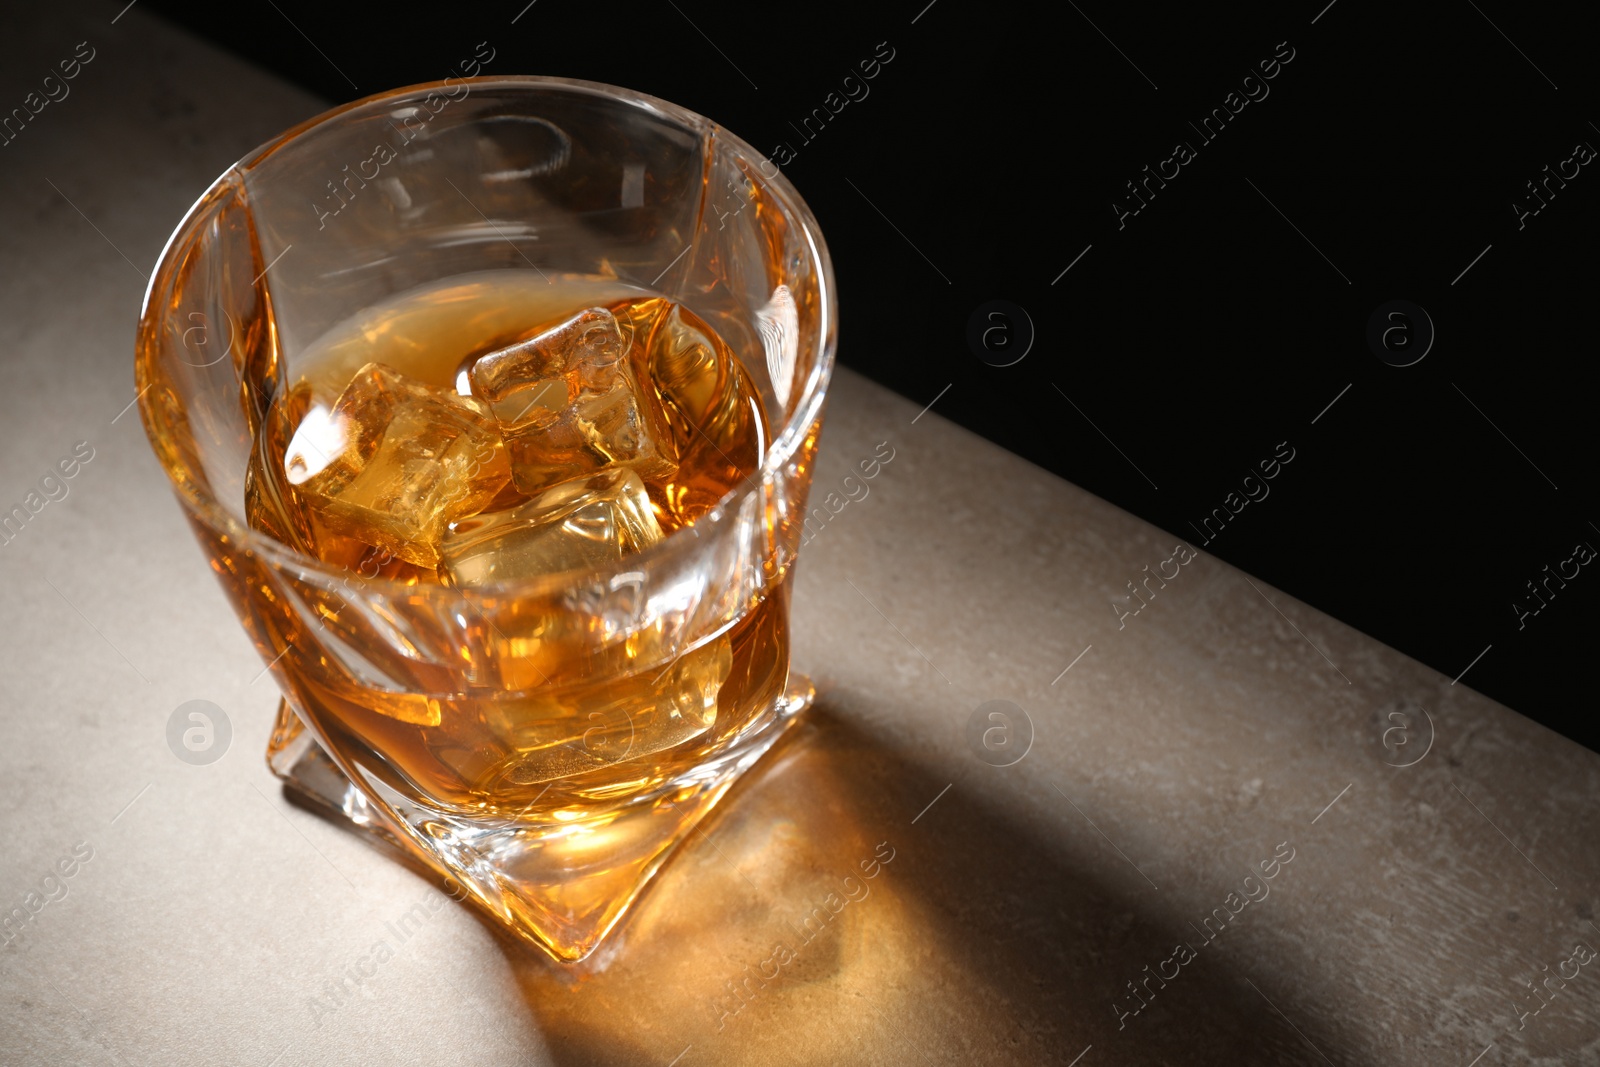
(545, 742)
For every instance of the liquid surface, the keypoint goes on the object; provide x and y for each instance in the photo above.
(476, 396)
(487, 430)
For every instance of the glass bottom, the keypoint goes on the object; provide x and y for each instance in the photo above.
(561, 883)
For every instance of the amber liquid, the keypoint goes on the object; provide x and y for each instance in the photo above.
(538, 714)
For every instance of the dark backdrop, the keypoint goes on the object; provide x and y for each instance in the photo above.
(1174, 347)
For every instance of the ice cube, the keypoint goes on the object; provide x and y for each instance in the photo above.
(395, 462)
(597, 726)
(707, 397)
(292, 442)
(569, 401)
(582, 523)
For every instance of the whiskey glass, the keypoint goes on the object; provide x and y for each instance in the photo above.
(527, 740)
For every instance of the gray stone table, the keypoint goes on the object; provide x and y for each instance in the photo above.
(1433, 854)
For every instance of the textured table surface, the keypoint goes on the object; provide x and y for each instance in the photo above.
(1441, 850)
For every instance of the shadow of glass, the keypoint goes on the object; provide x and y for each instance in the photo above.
(810, 922)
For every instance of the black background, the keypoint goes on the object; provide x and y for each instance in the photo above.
(1193, 337)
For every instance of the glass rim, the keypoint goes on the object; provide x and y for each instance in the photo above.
(805, 408)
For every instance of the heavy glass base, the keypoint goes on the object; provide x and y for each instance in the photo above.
(559, 879)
